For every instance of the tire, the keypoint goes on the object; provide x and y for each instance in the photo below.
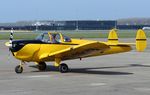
(63, 68)
(42, 66)
(18, 69)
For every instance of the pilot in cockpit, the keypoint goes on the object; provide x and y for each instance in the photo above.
(52, 38)
(55, 38)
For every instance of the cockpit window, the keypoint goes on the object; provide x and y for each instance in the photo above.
(57, 38)
(52, 38)
(44, 37)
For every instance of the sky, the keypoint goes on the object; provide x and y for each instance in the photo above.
(26, 10)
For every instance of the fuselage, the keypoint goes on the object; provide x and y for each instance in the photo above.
(30, 50)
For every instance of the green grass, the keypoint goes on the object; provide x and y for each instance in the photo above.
(73, 34)
(21, 35)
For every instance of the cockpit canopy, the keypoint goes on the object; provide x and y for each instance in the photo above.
(53, 38)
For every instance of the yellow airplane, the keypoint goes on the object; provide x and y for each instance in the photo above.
(58, 47)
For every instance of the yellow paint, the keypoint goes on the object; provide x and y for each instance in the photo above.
(27, 52)
(141, 42)
(113, 37)
(57, 62)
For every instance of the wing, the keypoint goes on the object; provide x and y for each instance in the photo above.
(82, 50)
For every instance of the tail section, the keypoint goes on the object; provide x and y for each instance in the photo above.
(141, 42)
(113, 37)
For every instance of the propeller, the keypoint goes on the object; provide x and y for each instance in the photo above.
(9, 44)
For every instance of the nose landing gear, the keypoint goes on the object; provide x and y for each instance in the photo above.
(19, 68)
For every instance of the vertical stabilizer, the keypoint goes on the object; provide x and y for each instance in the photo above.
(113, 37)
(141, 42)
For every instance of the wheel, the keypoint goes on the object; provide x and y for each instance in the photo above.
(63, 68)
(42, 66)
(19, 69)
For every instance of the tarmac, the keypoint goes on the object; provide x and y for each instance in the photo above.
(117, 74)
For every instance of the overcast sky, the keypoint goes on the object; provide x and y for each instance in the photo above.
(19, 10)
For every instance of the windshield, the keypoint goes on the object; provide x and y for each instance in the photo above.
(44, 37)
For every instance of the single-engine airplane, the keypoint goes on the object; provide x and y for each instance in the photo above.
(58, 47)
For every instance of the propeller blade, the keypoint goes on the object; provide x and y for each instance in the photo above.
(11, 36)
(9, 44)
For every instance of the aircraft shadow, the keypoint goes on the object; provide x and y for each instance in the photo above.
(139, 65)
(96, 70)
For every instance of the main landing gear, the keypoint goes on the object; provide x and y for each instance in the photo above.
(63, 68)
(42, 66)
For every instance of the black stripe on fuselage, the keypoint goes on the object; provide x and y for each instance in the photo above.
(113, 39)
(18, 44)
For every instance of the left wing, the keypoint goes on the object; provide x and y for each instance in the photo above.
(78, 51)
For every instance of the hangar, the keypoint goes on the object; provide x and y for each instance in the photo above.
(63, 25)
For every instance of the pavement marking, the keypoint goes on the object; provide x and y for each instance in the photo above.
(97, 84)
(39, 76)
